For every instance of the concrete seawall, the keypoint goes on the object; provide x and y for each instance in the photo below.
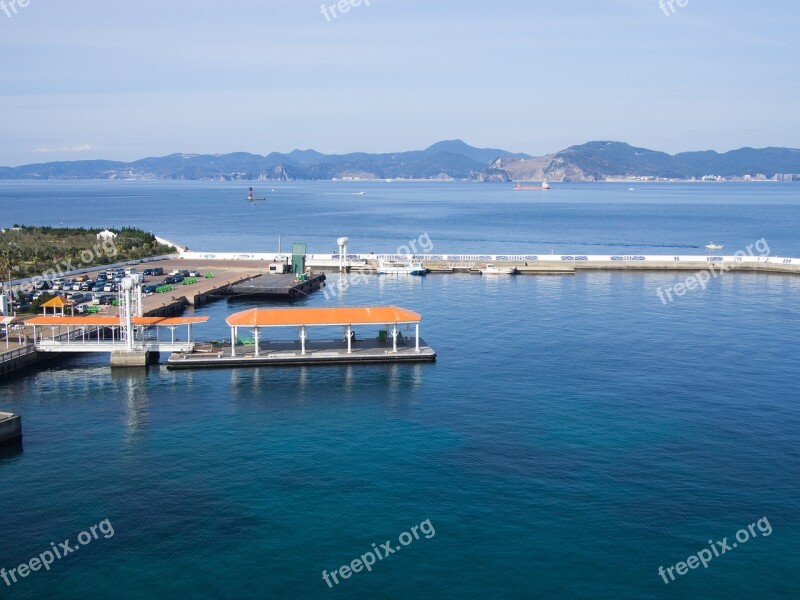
(530, 263)
(10, 428)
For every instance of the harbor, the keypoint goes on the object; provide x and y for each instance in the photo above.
(254, 276)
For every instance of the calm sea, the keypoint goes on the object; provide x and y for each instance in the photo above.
(574, 435)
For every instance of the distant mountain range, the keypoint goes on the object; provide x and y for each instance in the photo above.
(453, 159)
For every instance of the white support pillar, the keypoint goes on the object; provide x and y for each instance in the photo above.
(233, 341)
(417, 337)
(394, 338)
(256, 337)
(302, 339)
(349, 339)
(172, 331)
(189, 333)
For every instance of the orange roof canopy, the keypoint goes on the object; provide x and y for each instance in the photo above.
(57, 302)
(286, 317)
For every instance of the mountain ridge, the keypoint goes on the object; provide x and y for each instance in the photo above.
(447, 159)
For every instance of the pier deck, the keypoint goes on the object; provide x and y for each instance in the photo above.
(317, 352)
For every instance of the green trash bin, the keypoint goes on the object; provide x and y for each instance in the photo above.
(382, 335)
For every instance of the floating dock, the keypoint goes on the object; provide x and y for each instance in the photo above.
(317, 352)
(276, 287)
(388, 345)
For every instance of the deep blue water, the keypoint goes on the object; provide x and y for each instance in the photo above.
(574, 435)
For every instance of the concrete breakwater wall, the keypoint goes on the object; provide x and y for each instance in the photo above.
(10, 428)
(532, 263)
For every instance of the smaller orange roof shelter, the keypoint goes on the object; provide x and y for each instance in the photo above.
(56, 303)
(257, 318)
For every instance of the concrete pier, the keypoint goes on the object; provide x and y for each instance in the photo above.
(124, 359)
(10, 428)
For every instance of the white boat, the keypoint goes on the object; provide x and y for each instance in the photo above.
(545, 185)
(713, 246)
(401, 267)
(494, 270)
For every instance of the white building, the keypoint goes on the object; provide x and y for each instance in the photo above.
(106, 235)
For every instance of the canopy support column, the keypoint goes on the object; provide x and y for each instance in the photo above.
(233, 341)
(417, 336)
(302, 339)
(349, 339)
(256, 338)
(394, 337)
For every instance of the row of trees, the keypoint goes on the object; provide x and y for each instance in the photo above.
(29, 251)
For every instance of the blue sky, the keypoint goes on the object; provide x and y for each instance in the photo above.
(123, 79)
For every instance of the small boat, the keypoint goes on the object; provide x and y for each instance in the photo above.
(400, 267)
(491, 269)
(713, 246)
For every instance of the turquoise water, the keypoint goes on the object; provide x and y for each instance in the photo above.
(574, 435)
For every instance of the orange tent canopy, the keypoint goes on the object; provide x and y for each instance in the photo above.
(285, 317)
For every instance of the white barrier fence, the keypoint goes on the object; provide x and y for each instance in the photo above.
(333, 259)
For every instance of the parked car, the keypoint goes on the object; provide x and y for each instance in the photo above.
(105, 300)
(102, 276)
(178, 278)
(194, 274)
(153, 271)
(110, 286)
(42, 285)
(86, 286)
(148, 289)
(169, 280)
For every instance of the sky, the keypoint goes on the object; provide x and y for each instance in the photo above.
(126, 79)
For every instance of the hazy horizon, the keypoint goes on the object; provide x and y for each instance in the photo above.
(122, 82)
